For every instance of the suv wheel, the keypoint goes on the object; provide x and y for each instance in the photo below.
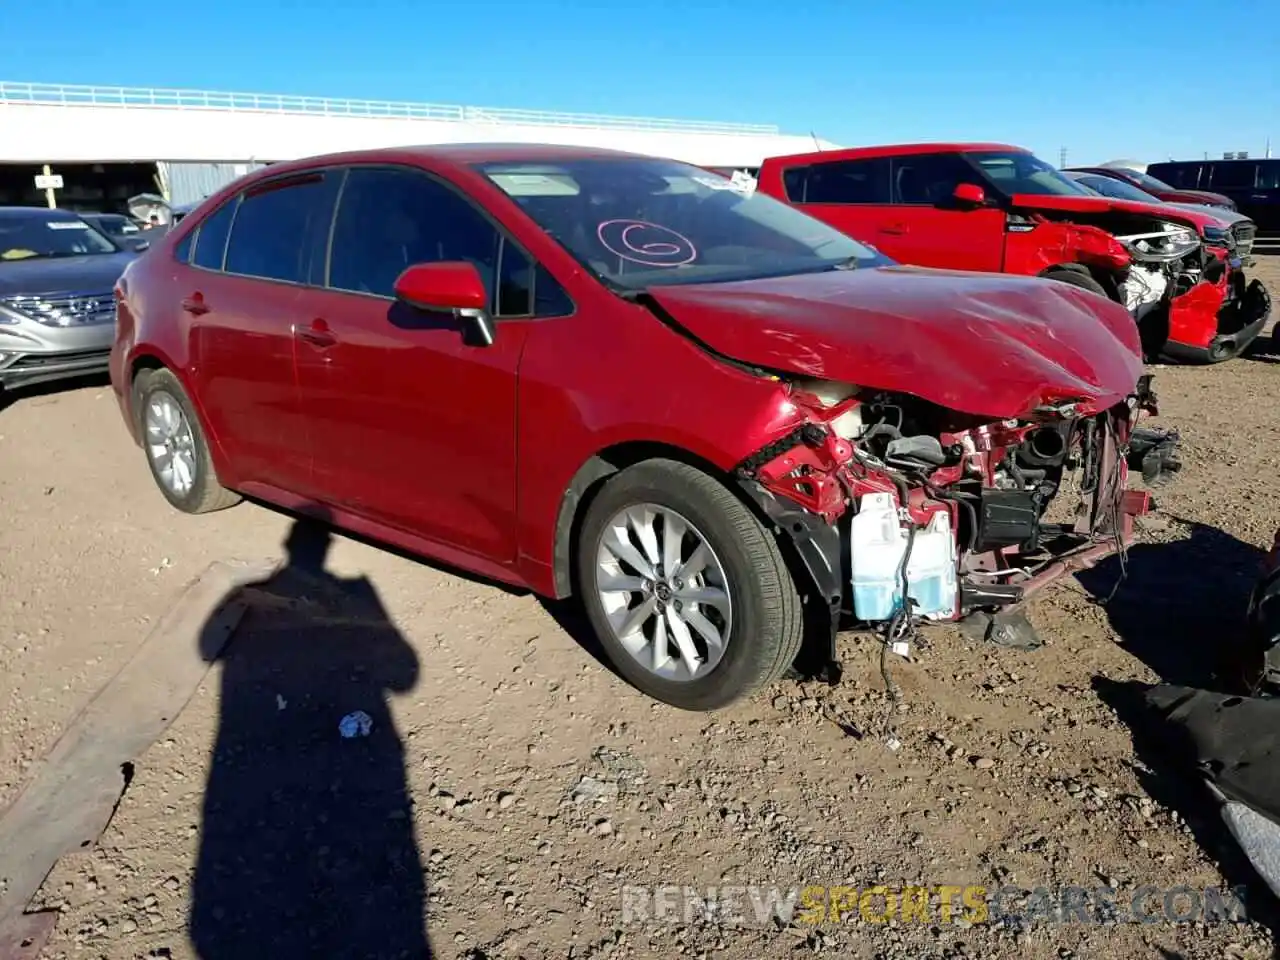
(686, 590)
(175, 445)
(1078, 278)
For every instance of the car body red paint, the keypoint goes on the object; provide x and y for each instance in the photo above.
(903, 328)
(387, 420)
(1032, 234)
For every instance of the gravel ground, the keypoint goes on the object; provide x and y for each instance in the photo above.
(517, 795)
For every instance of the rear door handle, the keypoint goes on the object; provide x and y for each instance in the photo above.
(195, 305)
(317, 334)
(895, 229)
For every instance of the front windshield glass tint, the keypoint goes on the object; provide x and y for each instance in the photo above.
(1117, 189)
(1149, 183)
(1025, 173)
(638, 222)
(26, 237)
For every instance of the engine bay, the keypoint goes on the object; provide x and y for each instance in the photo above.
(913, 487)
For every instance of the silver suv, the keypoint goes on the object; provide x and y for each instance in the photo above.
(57, 311)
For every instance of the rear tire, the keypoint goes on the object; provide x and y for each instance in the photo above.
(175, 445)
(721, 553)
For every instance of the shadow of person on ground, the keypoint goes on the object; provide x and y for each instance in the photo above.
(1180, 610)
(307, 844)
(1167, 771)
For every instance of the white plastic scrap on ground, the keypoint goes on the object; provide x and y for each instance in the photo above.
(356, 724)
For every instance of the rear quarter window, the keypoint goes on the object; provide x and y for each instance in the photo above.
(211, 237)
(1180, 176)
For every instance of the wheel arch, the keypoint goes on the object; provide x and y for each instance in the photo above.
(146, 360)
(1107, 279)
(810, 547)
(587, 481)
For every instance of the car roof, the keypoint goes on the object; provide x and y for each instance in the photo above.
(896, 150)
(457, 154)
(38, 212)
(1101, 171)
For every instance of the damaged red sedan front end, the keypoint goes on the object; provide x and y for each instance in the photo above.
(961, 441)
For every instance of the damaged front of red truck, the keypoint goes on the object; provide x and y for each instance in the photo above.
(1177, 270)
(960, 440)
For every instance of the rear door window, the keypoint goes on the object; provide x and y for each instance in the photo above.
(1233, 175)
(275, 229)
(1180, 176)
(842, 182)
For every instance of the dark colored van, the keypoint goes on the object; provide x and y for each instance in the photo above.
(1254, 185)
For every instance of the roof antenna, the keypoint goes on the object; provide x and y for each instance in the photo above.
(816, 142)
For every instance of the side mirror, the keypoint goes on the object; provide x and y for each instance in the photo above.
(140, 245)
(969, 195)
(448, 285)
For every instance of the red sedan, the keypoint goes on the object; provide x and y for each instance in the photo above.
(714, 419)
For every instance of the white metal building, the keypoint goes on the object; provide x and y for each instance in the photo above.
(182, 134)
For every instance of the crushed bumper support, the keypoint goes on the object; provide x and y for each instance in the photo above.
(1240, 322)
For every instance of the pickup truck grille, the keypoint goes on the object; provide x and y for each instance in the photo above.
(1244, 234)
(67, 310)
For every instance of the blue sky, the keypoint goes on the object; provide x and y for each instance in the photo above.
(1173, 78)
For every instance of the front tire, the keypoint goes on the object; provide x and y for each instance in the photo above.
(686, 590)
(1078, 278)
(175, 445)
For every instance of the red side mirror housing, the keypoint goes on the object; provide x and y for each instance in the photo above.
(970, 195)
(448, 285)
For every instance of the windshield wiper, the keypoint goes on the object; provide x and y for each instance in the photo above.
(848, 263)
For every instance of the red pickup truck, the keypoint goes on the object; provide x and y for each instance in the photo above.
(997, 208)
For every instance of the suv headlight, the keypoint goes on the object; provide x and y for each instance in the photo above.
(1166, 242)
(1218, 235)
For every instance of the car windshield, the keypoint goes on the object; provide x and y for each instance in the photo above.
(1017, 172)
(1149, 183)
(637, 222)
(26, 236)
(1110, 187)
(115, 224)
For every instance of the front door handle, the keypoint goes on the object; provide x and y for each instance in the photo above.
(317, 334)
(895, 229)
(195, 305)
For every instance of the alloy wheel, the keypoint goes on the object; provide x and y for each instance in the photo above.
(170, 443)
(664, 592)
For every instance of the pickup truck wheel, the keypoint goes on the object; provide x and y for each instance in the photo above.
(686, 590)
(174, 443)
(1079, 279)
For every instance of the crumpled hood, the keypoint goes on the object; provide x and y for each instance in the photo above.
(91, 273)
(1192, 216)
(986, 344)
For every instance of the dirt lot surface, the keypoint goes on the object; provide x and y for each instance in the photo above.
(511, 787)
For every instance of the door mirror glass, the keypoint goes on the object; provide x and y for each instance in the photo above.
(448, 285)
(970, 195)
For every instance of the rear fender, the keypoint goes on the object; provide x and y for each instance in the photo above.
(149, 356)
